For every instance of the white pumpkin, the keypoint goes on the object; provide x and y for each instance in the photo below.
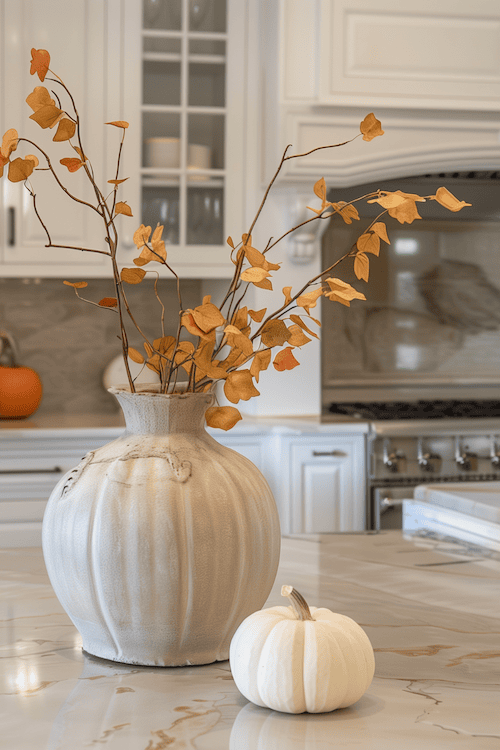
(296, 659)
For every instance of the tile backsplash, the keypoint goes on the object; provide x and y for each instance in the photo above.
(69, 342)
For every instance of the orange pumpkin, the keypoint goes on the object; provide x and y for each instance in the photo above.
(20, 387)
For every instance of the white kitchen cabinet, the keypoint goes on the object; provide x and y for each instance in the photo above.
(184, 98)
(430, 72)
(322, 488)
(82, 41)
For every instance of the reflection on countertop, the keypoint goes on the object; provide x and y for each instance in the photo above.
(430, 607)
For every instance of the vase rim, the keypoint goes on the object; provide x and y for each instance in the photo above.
(152, 389)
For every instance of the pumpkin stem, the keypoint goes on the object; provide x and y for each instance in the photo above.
(298, 602)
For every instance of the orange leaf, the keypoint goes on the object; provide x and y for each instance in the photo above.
(286, 291)
(73, 165)
(158, 244)
(118, 123)
(257, 315)
(369, 242)
(9, 142)
(33, 158)
(296, 319)
(381, 230)
(203, 361)
(274, 333)
(254, 274)
(448, 200)
(222, 417)
(361, 266)
(141, 236)
(371, 127)
(132, 275)
(135, 356)
(123, 208)
(399, 205)
(165, 344)
(76, 284)
(260, 362)
(346, 210)
(207, 317)
(240, 318)
(309, 299)
(118, 182)
(264, 284)
(230, 242)
(298, 337)
(47, 116)
(20, 169)
(239, 385)
(284, 360)
(39, 98)
(108, 302)
(65, 130)
(40, 61)
(3, 161)
(237, 340)
(342, 292)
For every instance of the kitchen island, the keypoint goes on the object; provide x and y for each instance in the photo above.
(429, 605)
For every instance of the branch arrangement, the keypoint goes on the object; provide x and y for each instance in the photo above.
(233, 343)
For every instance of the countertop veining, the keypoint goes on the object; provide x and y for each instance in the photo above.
(430, 607)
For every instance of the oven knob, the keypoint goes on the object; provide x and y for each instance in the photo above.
(494, 453)
(392, 458)
(427, 461)
(465, 460)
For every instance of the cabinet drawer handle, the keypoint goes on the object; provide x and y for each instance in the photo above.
(329, 453)
(11, 223)
(55, 470)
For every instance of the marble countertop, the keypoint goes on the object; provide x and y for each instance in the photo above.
(430, 607)
(110, 425)
(477, 499)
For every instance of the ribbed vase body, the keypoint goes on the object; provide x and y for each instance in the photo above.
(159, 544)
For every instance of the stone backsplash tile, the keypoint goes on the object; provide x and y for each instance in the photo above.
(69, 342)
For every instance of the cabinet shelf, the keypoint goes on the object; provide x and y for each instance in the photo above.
(177, 57)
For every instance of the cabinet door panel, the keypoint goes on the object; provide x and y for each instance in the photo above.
(73, 33)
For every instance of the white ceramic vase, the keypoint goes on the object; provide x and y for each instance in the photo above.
(160, 543)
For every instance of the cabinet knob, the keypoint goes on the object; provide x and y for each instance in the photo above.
(329, 453)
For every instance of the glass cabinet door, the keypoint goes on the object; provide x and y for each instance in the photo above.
(184, 120)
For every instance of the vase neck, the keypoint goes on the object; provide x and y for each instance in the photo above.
(149, 413)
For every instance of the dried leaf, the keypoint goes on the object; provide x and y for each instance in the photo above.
(296, 319)
(165, 345)
(284, 360)
(257, 315)
(347, 211)
(158, 244)
(381, 230)
(141, 236)
(362, 266)
(154, 363)
(73, 165)
(9, 142)
(371, 127)
(3, 161)
(240, 318)
(369, 242)
(20, 169)
(39, 98)
(274, 333)
(123, 208)
(47, 116)
(399, 205)
(65, 130)
(254, 274)
(342, 292)
(132, 275)
(118, 182)
(260, 362)
(239, 386)
(148, 348)
(40, 61)
(203, 361)
(222, 417)
(298, 337)
(76, 284)
(448, 200)
(264, 284)
(118, 123)
(207, 317)
(108, 302)
(286, 291)
(230, 242)
(235, 358)
(135, 356)
(238, 340)
(80, 153)
(309, 299)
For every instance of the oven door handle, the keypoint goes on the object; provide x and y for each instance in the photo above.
(382, 501)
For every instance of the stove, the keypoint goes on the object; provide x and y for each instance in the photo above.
(420, 442)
